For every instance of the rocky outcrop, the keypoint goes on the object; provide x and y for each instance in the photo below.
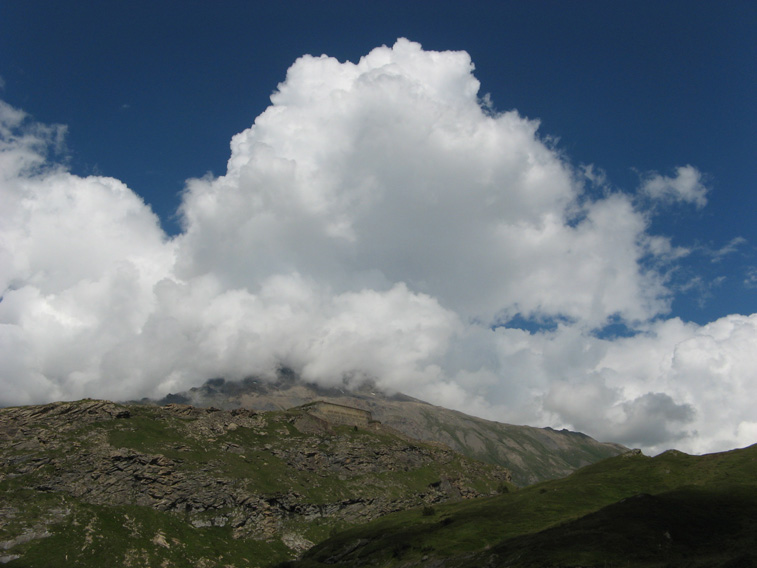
(262, 476)
(531, 454)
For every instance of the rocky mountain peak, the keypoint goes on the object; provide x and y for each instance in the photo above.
(532, 454)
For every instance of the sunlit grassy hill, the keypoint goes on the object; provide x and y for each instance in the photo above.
(95, 483)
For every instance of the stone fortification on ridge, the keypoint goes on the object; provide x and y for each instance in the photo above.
(338, 413)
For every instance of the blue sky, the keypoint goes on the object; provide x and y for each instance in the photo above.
(151, 94)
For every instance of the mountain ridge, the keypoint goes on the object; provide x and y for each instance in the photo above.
(530, 453)
(93, 483)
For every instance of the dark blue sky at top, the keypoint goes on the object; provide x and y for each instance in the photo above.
(153, 91)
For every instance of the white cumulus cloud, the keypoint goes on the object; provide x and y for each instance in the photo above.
(685, 186)
(377, 221)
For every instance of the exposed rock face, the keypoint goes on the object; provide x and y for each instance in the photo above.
(531, 454)
(262, 476)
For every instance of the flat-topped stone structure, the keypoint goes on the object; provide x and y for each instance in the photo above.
(338, 413)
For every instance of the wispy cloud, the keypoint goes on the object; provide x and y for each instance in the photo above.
(750, 279)
(716, 255)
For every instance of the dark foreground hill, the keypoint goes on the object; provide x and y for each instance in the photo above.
(531, 454)
(670, 511)
(95, 483)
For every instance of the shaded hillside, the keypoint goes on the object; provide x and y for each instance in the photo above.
(689, 527)
(668, 511)
(531, 454)
(94, 483)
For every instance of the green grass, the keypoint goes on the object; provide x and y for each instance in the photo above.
(517, 521)
(88, 534)
(688, 527)
(140, 536)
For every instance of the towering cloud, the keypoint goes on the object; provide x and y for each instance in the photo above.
(377, 221)
(390, 171)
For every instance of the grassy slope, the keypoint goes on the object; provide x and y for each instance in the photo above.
(689, 527)
(96, 536)
(51, 528)
(531, 454)
(550, 524)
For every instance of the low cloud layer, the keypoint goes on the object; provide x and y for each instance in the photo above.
(377, 221)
